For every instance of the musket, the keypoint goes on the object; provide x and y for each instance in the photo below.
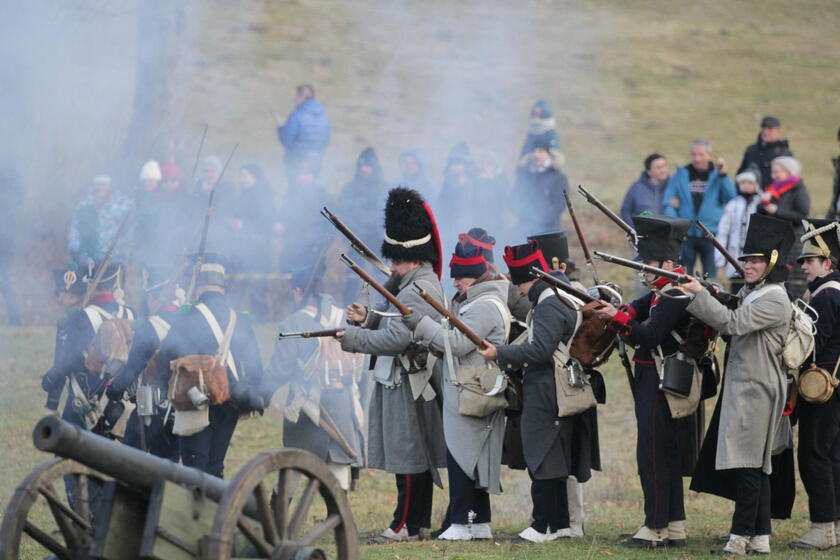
(677, 277)
(308, 334)
(615, 218)
(721, 249)
(587, 256)
(357, 244)
(106, 260)
(560, 285)
(198, 157)
(376, 285)
(199, 259)
(453, 320)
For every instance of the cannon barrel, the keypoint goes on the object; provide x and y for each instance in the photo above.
(126, 464)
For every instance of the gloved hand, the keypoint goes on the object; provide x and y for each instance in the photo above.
(412, 320)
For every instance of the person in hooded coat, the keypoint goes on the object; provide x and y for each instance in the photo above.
(473, 444)
(539, 189)
(542, 131)
(736, 458)
(362, 197)
(414, 174)
(405, 430)
(553, 447)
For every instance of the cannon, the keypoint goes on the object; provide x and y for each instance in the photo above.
(119, 503)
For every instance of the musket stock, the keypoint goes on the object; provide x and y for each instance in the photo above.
(357, 244)
(309, 334)
(453, 320)
(400, 306)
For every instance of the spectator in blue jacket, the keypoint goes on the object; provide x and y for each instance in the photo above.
(698, 192)
(645, 195)
(306, 132)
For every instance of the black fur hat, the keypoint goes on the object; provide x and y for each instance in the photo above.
(411, 233)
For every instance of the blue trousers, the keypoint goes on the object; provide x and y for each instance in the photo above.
(694, 247)
(206, 450)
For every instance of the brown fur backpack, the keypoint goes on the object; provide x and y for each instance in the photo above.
(208, 373)
(107, 353)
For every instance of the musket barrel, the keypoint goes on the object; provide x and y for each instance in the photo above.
(357, 244)
(615, 218)
(707, 233)
(400, 306)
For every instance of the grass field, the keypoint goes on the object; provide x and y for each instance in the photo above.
(625, 79)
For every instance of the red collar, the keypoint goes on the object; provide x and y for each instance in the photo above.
(660, 281)
(168, 307)
(103, 298)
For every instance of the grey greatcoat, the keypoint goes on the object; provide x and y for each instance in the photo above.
(756, 388)
(475, 443)
(291, 363)
(394, 442)
(553, 447)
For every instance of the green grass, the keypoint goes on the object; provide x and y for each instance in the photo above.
(613, 497)
(625, 79)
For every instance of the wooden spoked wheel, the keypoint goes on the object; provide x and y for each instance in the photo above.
(51, 513)
(298, 511)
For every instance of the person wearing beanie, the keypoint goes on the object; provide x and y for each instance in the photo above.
(819, 423)
(539, 189)
(204, 435)
(732, 228)
(736, 458)
(833, 212)
(320, 376)
(542, 130)
(149, 432)
(473, 444)
(405, 429)
(787, 198)
(150, 176)
(553, 448)
(768, 146)
(171, 177)
(666, 445)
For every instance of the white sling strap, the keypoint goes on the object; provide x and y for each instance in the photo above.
(830, 284)
(224, 354)
(160, 326)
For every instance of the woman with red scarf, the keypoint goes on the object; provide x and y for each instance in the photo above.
(787, 198)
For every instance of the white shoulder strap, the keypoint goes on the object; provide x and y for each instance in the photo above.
(834, 284)
(562, 347)
(500, 306)
(97, 316)
(754, 295)
(160, 326)
(222, 338)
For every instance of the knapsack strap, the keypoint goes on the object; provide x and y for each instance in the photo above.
(834, 284)
(160, 326)
(500, 306)
(224, 354)
(96, 315)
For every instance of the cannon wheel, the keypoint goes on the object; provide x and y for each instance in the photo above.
(276, 532)
(72, 520)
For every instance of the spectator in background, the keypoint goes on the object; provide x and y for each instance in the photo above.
(211, 169)
(787, 198)
(414, 175)
(171, 178)
(457, 204)
(542, 130)
(494, 204)
(174, 205)
(363, 197)
(645, 195)
(698, 192)
(732, 228)
(218, 234)
(767, 147)
(11, 197)
(834, 208)
(96, 221)
(539, 190)
(306, 132)
(148, 223)
(251, 223)
(150, 176)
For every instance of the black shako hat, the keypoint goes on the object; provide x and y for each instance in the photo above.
(411, 233)
(68, 280)
(554, 247)
(660, 237)
(213, 269)
(772, 239)
(110, 277)
(546, 251)
(821, 239)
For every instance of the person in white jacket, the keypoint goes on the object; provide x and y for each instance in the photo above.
(733, 224)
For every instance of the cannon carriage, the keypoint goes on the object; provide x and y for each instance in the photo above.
(119, 503)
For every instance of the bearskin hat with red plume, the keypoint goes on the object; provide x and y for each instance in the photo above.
(411, 233)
